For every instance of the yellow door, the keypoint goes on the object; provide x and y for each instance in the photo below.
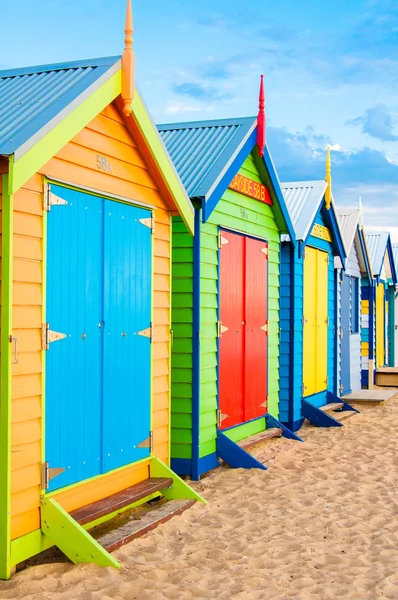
(315, 330)
(380, 325)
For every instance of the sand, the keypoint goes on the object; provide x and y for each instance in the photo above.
(321, 523)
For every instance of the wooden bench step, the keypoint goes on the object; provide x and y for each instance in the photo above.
(126, 533)
(345, 414)
(260, 437)
(116, 502)
(332, 406)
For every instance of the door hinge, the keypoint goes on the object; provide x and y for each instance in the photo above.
(220, 417)
(327, 258)
(341, 388)
(265, 328)
(265, 403)
(265, 251)
(341, 333)
(47, 474)
(147, 443)
(327, 320)
(222, 240)
(327, 381)
(303, 388)
(221, 329)
(148, 222)
(51, 199)
(48, 336)
(148, 332)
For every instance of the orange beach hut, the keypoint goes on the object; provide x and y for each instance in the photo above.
(87, 192)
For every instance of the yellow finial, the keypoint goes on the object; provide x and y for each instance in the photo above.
(328, 178)
(128, 62)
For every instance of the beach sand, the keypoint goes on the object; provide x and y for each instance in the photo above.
(321, 523)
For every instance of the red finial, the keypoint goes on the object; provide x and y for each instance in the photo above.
(128, 63)
(261, 119)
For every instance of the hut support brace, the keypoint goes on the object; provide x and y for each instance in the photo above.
(317, 416)
(330, 397)
(235, 456)
(272, 422)
(70, 537)
(179, 489)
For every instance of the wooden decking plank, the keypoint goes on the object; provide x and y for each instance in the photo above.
(332, 406)
(116, 502)
(134, 529)
(260, 437)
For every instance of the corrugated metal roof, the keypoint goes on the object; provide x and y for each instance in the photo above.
(32, 98)
(303, 199)
(348, 221)
(201, 150)
(377, 244)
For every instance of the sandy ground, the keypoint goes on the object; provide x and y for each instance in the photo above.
(321, 523)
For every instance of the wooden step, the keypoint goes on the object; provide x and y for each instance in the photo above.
(344, 414)
(260, 437)
(126, 533)
(111, 504)
(332, 406)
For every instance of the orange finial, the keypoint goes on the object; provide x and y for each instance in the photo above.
(128, 63)
(261, 119)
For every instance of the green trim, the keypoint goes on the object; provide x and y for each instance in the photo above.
(6, 374)
(70, 537)
(164, 164)
(34, 159)
(179, 488)
(241, 432)
(29, 545)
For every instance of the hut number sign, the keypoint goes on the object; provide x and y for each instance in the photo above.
(251, 188)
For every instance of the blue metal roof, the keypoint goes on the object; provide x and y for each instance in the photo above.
(377, 244)
(303, 199)
(201, 150)
(34, 99)
(395, 255)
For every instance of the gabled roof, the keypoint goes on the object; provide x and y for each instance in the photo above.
(33, 99)
(352, 230)
(303, 199)
(395, 256)
(379, 243)
(43, 108)
(208, 154)
(201, 150)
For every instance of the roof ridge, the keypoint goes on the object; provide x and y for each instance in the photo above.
(36, 69)
(206, 123)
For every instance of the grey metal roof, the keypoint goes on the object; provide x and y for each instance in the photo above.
(303, 199)
(377, 244)
(201, 150)
(33, 100)
(395, 255)
(349, 221)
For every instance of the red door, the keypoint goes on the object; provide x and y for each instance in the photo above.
(243, 344)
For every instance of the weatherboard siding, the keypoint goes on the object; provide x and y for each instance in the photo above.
(353, 269)
(76, 163)
(239, 213)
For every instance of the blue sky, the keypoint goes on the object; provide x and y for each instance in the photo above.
(331, 75)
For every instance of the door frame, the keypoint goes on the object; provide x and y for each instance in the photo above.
(259, 239)
(343, 310)
(47, 182)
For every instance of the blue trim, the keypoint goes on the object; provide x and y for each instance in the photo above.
(392, 262)
(196, 348)
(336, 331)
(211, 202)
(368, 267)
(286, 432)
(279, 194)
(235, 456)
(183, 466)
(292, 360)
(372, 292)
(318, 417)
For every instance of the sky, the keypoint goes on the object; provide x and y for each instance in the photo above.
(330, 70)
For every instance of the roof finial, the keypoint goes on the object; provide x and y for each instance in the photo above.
(328, 179)
(261, 119)
(128, 62)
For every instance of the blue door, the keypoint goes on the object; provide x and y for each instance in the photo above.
(98, 371)
(345, 340)
(127, 310)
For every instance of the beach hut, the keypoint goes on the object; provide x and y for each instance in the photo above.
(358, 270)
(395, 255)
(225, 356)
(381, 307)
(309, 371)
(87, 192)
